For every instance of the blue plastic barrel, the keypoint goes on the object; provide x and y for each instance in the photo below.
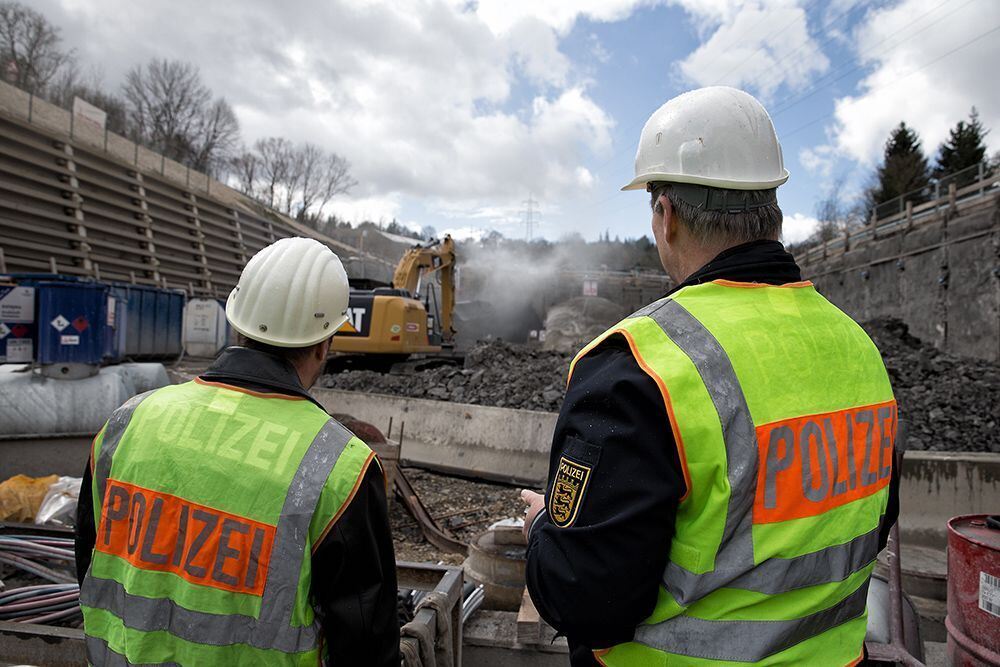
(71, 320)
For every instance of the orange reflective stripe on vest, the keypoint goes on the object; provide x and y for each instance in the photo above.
(160, 531)
(795, 480)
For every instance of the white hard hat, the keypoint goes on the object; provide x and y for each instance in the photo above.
(719, 137)
(293, 293)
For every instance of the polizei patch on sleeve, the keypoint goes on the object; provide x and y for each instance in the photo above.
(567, 491)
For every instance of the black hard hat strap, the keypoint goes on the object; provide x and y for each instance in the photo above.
(705, 198)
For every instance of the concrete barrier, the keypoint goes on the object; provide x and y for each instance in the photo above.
(513, 445)
(936, 486)
(473, 440)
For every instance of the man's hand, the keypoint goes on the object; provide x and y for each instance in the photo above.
(535, 503)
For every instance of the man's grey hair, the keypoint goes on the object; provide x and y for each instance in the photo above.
(760, 220)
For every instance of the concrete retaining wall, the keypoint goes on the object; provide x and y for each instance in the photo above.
(942, 278)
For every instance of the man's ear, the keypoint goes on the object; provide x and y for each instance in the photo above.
(669, 219)
(322, 349)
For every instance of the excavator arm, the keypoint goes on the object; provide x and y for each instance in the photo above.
(423, 260)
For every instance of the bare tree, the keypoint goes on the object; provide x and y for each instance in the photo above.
(311, 161)
(246, 167)
(217, 136)
(70, 83)
(835, 214)
(336, 180)
(30, 56)
(297, 180)
(172, 112)
(274, 156)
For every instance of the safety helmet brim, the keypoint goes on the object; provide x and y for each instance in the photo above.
(640, 181)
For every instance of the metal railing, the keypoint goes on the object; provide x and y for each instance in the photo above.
(945, 196)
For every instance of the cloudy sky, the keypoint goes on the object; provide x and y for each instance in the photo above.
(453, 112)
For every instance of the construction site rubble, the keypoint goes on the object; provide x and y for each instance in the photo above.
(948, 403)
(494, 373)
(465, 507)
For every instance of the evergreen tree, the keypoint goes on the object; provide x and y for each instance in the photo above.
(964, 148)
(904, 168)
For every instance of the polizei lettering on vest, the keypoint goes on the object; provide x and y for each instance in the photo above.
(810, 465)
(163, 532)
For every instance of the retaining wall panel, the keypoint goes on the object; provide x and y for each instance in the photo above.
(972, 298)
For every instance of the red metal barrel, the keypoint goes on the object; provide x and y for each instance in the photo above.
(973, 620)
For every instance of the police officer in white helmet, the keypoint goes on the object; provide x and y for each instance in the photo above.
(706, 502)
(231, 520)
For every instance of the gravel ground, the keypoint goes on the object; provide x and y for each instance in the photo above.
(465, 507)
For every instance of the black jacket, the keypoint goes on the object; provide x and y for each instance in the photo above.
(597, 579)
(354, 568)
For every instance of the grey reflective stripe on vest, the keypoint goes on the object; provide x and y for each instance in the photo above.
(735, 555)
(734, 563)
(274, 629)
(746, 641)
(113, 432)
(100, 654)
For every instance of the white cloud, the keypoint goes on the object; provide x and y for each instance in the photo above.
(819, 160)
(359, 209)
(798, 227)
(931, 99)
(500, 15)
(416, 95)
(759, 46)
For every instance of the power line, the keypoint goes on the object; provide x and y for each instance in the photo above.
(899, 79)
(766, 40)
(825, 28)
(791, 101)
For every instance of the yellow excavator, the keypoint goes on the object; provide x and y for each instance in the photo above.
(411, 317)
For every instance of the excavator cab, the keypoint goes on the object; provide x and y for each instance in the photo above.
(413, 316)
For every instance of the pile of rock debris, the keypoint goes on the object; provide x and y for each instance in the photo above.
(495, 373)
(949, 403)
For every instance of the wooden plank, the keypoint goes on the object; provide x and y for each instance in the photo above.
(529, 624)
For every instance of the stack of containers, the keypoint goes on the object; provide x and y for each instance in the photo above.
(58, 319)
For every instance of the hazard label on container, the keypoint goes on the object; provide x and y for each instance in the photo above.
(69, 340)
(3, 330)
(59, 323)
(19, 350)
(81, 324)
(989, 593)
(17, 304)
